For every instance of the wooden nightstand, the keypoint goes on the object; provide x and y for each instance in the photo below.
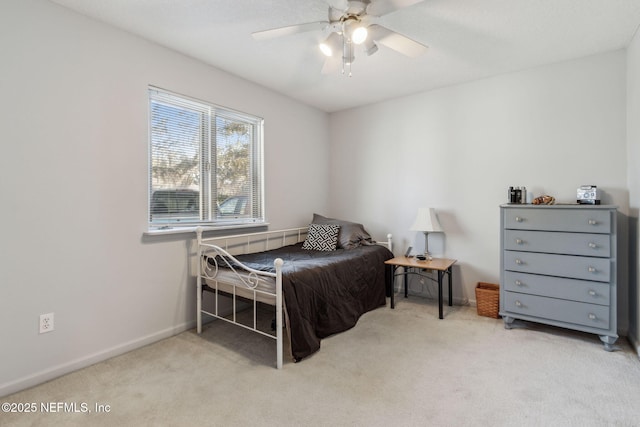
(412, 265)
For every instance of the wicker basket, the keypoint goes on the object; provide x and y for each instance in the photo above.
(488, 299)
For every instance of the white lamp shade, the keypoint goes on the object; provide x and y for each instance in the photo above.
(426, 220)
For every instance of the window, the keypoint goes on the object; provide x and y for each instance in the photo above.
(205, 163)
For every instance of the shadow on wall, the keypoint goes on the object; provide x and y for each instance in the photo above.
(634, 323)
(428, 288)
(623, 273)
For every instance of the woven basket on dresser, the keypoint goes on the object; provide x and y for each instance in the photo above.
(488, 299)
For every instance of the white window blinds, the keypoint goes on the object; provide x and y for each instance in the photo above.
(205, 163)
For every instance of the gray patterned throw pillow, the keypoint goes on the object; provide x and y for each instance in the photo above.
(322, 237)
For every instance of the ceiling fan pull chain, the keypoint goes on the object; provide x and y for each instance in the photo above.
(350, 57)
(347, 49)
(344, 47)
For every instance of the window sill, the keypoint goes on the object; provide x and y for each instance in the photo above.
(167, 231)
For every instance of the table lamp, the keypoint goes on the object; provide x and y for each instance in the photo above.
(427, 222)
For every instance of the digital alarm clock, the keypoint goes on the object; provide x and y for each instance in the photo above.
(588, 195)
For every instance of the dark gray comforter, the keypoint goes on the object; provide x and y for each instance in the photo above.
(325, 292)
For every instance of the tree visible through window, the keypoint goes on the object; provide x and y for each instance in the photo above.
(205, 163)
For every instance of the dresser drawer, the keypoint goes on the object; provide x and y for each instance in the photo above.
(576, 267)
(558, 243)
(579, 313)
(557, 287)
(557, 219)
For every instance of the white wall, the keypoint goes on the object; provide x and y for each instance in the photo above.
(633, 138)
(73, 180)
(459, 148)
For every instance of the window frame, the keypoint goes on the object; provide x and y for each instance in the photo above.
(207, 188)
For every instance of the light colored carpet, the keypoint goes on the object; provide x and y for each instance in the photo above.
(401, 367)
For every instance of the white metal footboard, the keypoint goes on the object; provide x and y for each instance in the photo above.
(214, 253)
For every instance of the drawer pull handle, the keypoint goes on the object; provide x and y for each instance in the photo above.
(518, 261)
(592, 316)
(518, 304)
(592, 270)
(519, 241)
(518, 283)
(518, 219)
(592, 245)
(593, 222)
(592, 292)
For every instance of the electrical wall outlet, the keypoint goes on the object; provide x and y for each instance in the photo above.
(46, 323)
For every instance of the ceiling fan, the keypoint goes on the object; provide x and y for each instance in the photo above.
(353, 22)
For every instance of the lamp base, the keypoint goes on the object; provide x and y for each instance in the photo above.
(427, 255)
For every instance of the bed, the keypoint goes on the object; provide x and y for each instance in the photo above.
(318, 280)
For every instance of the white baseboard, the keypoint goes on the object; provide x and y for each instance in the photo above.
(83, 362)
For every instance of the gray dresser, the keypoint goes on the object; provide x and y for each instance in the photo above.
(558, 267)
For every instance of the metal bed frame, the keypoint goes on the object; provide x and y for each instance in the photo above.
(218, 252)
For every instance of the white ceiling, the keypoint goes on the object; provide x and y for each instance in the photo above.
(467, 39)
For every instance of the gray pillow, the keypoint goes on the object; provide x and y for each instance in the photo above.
(351, 234)
(321, 237)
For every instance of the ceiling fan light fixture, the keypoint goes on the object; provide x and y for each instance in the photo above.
(326, 49)
(331, 45)
(370, 47)
(359, 34)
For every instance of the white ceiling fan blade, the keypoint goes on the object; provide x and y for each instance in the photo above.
(335, 14)
(396, 41)
(332, 65)
(382, 7)
(286, 31)
(341, 5)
